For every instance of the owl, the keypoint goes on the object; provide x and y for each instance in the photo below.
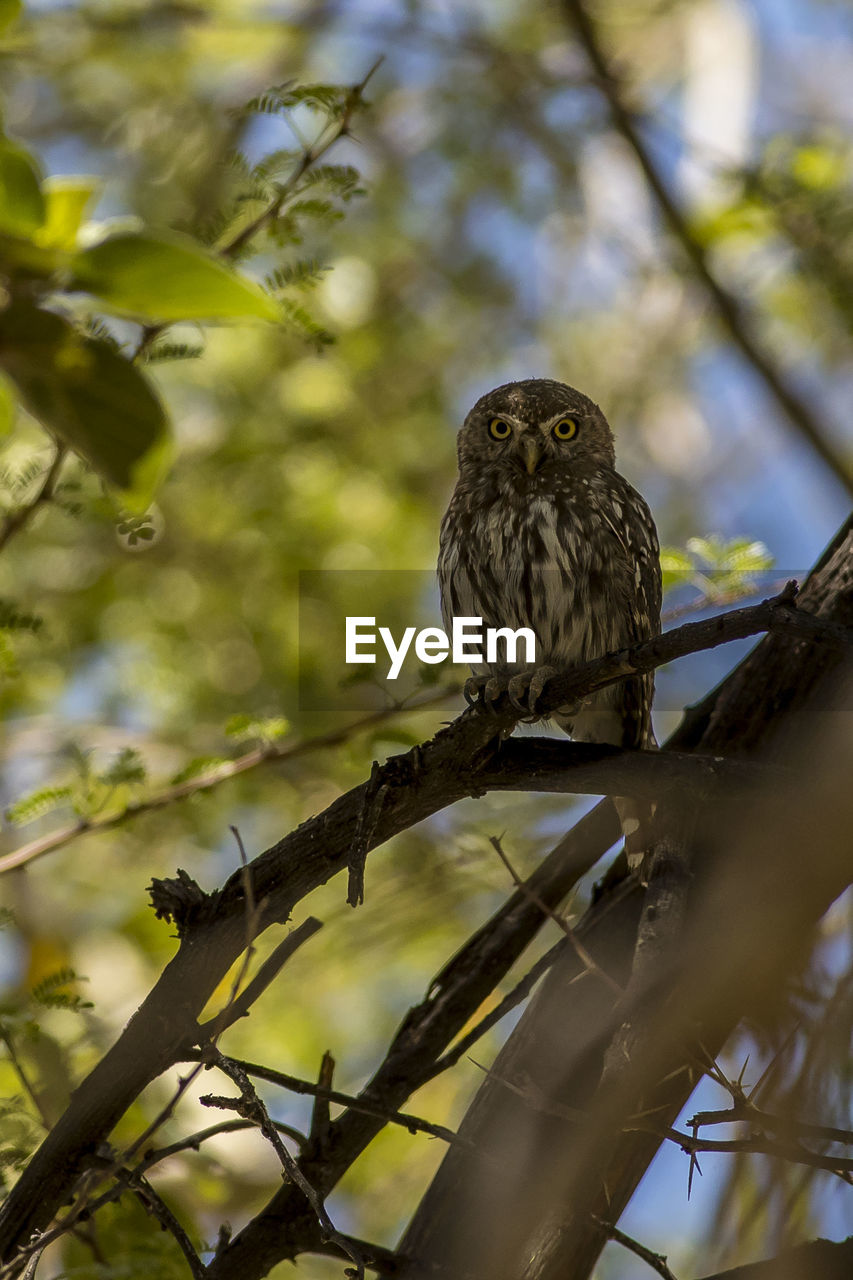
(543, 532)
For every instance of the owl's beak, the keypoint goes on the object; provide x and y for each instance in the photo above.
(532, 450)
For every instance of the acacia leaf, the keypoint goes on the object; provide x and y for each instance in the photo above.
(22, 205)
(82, 391)
(163, 276)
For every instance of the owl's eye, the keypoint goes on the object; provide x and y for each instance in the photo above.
(565, 429)
(499, 429)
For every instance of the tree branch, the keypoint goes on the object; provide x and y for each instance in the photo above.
(154, 1204)
(657, 1261)
(828, 1259)
(744, 1113)
(758, 1143)
(730, 310)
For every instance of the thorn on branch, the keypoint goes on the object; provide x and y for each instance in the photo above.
(318, 1134)
(374, 798)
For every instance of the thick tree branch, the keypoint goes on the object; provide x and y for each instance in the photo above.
(823, 1259)
(731, 312)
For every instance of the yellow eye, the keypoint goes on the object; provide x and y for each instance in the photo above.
(498, 429)
(565, 429)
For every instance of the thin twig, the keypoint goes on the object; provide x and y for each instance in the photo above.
(510, 1001)
(744, 1113)
(194, 1141)
(730, 310)
(657, 1261)
(310, 156)
(331, 134)
(761, 1145)
(385, 1262)
(580, 950)
(374, 798)
(267, 754)
(250, 1106)
(413, 1124)
(16, 520)
(320, 1116)
(155, 1205)
(240, 1002)
(22, 1074)
(160, 1119)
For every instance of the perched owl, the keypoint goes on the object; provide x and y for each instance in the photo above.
(543, 532)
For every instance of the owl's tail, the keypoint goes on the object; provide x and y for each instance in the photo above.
(636, 817)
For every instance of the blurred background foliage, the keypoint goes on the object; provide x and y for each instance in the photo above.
(492, 226)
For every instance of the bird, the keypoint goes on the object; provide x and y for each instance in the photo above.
(543, 532)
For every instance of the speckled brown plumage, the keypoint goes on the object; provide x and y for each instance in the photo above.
(545, 533)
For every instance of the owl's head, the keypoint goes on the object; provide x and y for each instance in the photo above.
(538, 425)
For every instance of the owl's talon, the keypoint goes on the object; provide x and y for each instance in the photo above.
(538, 680)
(525, 689)
(494, 690)
(518, 690)
(484, 691)
(473, 688)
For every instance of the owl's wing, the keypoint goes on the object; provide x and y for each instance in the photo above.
(637, 537)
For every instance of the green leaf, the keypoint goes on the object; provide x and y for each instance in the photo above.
(197, 768)
(166, 277)
(819, 167)
(10, 11)
(127, 768)
(20, 256)
(8, 407)
(300, 275)
(674, 560)
(37, 804)
(305, 325)
(22, 206)
(84, 392)
(243, 728)
(49, 991)
(67, 199)
(14, 619)
(747, 556)
(163, 352)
